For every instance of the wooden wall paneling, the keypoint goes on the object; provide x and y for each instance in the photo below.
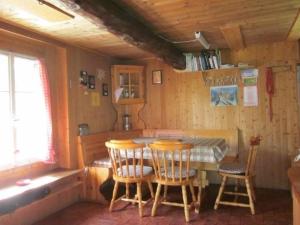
(99, 118)
(153, 96)
(170, 93)
(185, 103)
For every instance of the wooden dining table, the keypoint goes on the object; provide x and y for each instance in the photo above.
(205, 151)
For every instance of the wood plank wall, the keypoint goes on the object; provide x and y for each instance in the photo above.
(99, 118)
(183, 102)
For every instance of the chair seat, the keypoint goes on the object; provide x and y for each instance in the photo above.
(232, 168)
(146, 170)
(184, 173)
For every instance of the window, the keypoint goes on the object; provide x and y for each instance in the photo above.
(25, 121)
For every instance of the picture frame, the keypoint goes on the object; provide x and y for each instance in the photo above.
(157, 77)
(224, 95)
(83, 78)
(104, 89)
(91, 82)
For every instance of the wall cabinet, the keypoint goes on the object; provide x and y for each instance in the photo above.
(127, 84)
(128, 95)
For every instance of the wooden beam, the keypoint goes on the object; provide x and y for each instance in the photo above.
(233, 36)
(127, 25)
(294, 32)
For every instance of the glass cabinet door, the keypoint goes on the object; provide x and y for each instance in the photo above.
(127, 84)
(124, 81)
(134, 91)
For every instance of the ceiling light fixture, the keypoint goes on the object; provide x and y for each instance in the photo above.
(199, 37)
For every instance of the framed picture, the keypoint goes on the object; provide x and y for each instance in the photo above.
(91, 82)
(105, 89)
(223, 95)
(157, 77)
(83, 78)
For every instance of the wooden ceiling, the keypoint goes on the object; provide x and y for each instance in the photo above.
(225, 24)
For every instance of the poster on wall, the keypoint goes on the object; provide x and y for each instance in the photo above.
(250, 96)
(223, 95)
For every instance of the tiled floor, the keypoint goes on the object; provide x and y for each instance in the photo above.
(273, 207)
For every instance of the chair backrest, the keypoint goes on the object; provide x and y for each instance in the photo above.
(127, 159)
(171, 161)
(254, 145)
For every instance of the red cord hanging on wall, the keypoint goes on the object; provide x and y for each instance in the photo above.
(270, 89)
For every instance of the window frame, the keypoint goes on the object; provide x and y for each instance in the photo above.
(35, 163)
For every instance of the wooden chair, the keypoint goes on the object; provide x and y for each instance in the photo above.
(171, 163)
(240, 172)
(128, 167)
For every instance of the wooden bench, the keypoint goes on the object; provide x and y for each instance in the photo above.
(92, 148)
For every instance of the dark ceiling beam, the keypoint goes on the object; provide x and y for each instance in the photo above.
(126, 25)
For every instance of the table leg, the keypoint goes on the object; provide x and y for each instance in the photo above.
(202, 182)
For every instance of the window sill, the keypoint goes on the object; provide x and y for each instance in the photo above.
(10, 176)
(13, 196)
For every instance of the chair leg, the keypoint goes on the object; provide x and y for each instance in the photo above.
(185, 202)
(139, 194)
(220, 192)
(192, 192)
(252, 189)
(127, 190)
(115, 191)
(165, 192)
(250, 196)
(155, 204)
(150, 188)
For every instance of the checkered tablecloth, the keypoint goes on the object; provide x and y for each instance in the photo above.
(210, 150)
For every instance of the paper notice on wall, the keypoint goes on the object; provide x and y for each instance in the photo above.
(250, 96)
(95, 99)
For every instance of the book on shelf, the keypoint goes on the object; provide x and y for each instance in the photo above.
(205, 60)
(215, 61)
(188, 60)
